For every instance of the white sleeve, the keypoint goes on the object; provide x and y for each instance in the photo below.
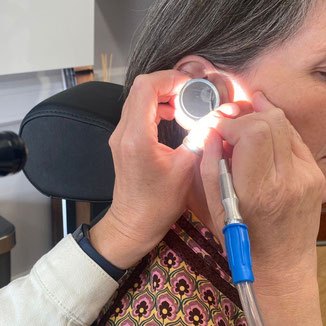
(65, 287)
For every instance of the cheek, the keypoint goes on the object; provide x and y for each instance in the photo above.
(306, 110)
(304, 102)
(297, 93)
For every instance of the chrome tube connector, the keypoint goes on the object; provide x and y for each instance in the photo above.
(230, 200)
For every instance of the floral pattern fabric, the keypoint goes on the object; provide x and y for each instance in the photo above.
(185, 280)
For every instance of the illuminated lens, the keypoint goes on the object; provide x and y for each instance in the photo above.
(195, 140)
(197, 98)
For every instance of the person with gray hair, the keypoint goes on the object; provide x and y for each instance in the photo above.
(162, 237)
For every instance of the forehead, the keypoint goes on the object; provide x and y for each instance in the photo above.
(308, 46)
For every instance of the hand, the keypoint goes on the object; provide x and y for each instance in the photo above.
(279, 186)
(280, 189)
(152, 180)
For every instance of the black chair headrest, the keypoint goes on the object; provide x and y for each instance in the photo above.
(67, 139)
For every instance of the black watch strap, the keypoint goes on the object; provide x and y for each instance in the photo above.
(81, 235)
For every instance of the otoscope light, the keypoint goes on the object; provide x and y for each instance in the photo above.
(195, 140)
(197, 99)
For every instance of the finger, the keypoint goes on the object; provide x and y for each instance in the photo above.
(144, 96)
(280, 131)
(252, 145)
(229, 109)
(299, 148)
(236, 109)
(244, 108)
(227, 150)
(212, 153)
(164, 112)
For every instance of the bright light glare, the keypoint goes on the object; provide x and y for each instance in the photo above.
(196, 138)
(183, 120)
(239, 93)
(228, 109)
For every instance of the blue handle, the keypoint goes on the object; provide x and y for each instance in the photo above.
(238, 251)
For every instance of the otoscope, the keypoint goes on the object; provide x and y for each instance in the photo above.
(198, 98)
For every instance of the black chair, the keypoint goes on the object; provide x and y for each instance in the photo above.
(67, 139)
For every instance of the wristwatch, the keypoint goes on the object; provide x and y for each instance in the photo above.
(81, 235)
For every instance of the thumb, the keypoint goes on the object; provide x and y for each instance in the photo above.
(209, 173)
(213, 150)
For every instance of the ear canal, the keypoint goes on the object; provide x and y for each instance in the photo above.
(198, 67)
(223, 85)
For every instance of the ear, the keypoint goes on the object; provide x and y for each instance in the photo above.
(198, 67)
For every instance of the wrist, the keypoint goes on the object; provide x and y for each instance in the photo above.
(285, 273)
(119, 249)
(290, 296)
(81, 235)
(289, 306)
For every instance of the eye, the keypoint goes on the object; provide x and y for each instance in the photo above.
(321, 74)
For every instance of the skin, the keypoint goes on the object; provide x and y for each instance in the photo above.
(278, 167)
(293, 77)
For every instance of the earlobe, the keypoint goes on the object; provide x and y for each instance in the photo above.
(198, 67)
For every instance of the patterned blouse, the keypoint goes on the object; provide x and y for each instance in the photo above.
(185, 280)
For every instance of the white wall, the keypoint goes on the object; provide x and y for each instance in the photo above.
(20, 202)
(40, 35)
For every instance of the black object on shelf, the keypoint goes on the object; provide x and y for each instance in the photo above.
(13, 153)
(7, 242)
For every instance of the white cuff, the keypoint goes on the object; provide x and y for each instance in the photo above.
(74, 282)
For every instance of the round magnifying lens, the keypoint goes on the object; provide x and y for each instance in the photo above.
(198, 97)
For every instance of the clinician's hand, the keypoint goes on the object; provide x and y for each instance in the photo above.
(279, 185)
(280, 189)
(152, 180)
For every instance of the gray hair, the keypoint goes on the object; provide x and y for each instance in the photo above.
(228, 33)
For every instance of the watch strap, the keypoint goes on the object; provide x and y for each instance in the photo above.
(81, 235)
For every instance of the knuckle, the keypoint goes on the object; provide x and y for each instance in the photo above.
(319, 181)
(112, 141)
(127, 146)
(140, 81)
(258, 131)
(278, 115)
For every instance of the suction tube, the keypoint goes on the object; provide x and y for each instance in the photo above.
(249, 304)
(196, 100)
(238, 247)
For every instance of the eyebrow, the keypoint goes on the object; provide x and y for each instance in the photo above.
(320, 57)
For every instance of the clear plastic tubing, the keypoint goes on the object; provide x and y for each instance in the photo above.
(237, 246)
(249, 304)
